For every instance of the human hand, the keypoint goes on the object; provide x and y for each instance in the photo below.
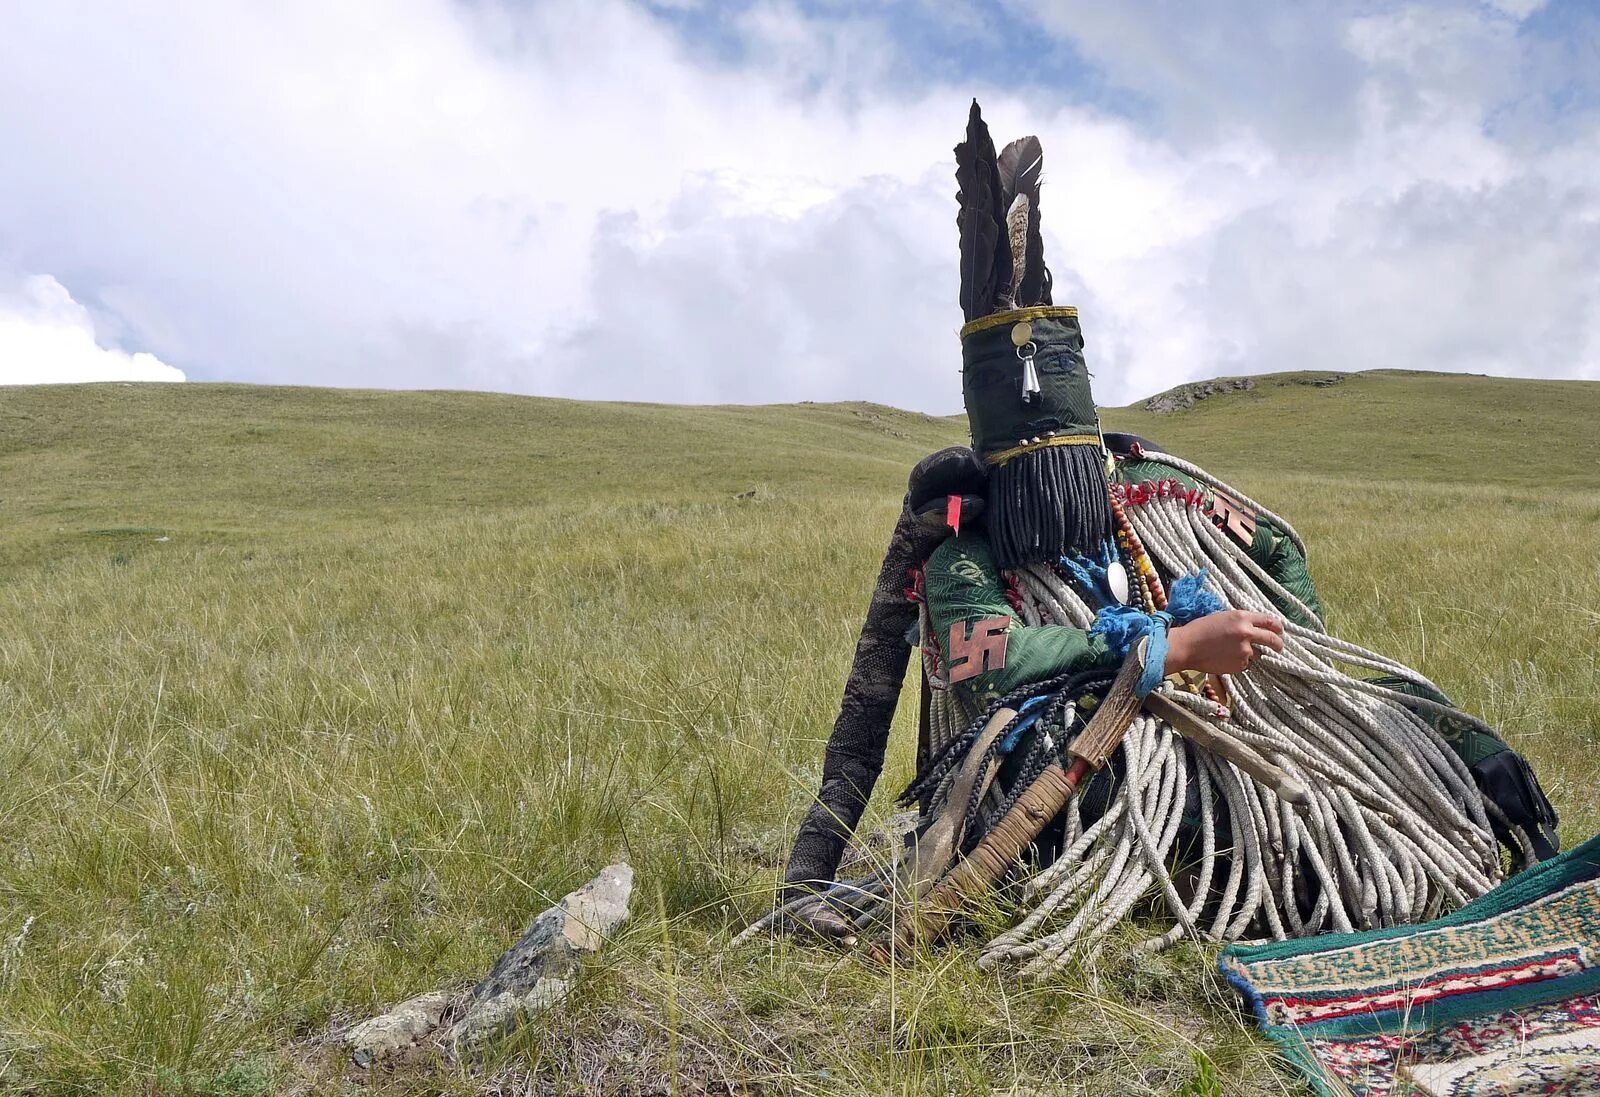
(1223, 643)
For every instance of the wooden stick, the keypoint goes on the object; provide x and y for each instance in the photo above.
(1010, 838)
(931, 854)
(1208, 737)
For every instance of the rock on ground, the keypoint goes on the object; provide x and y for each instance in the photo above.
(400, 1028)
(1187, 396)
(535, 973)
(530, 976)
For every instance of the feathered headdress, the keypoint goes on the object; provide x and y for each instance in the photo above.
(1002, 249)
(1026, 387)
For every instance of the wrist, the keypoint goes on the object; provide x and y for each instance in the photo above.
(1177, 650)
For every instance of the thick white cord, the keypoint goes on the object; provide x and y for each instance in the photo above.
(1394, 831)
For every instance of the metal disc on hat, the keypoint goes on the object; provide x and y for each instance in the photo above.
(1021, 334)
(1117, 580)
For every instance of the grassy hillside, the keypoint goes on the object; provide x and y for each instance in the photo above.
(1391, 425)
(309, 699)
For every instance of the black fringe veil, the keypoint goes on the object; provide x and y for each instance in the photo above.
(1049, 503)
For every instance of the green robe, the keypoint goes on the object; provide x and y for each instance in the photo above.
(963, 587)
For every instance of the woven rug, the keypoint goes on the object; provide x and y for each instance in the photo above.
(1501, 997)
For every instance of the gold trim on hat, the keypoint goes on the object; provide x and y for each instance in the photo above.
(1000, 457)
(1016, 316)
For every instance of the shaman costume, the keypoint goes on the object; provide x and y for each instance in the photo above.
(1323, 788)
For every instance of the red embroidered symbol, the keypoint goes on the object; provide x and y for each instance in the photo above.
(982, 648)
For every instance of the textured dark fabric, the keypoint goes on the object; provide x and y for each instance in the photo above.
(1122, 444)
(991, 380)
(854, 755)
(1509, 783)
(955, 470)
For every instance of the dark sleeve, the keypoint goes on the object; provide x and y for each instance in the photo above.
(854, 755)
(966, 598)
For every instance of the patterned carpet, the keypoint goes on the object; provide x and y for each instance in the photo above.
(1501, 997)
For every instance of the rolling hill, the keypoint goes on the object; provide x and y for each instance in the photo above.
(310, 698)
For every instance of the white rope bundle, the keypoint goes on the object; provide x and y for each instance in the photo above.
(1395, 830)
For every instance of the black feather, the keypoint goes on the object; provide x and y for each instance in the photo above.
(1034, 289)
(1021, 167)
(985, 252)
(1000, 295)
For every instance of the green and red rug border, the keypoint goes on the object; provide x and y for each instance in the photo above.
(1577, 866)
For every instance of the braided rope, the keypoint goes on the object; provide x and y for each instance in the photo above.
(1395, 829)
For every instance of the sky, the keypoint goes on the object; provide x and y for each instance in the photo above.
(754, 201)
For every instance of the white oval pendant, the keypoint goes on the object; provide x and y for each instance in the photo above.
(1117, 580)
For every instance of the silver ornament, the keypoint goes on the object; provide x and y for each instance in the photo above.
(1117, 580)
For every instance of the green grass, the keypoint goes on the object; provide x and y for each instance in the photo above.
(310, 699)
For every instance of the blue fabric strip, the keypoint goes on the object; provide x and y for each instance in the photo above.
(1155, 658)
(1123, 626)
(1030, 716)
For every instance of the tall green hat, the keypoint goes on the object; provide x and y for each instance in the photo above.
(1024, 382)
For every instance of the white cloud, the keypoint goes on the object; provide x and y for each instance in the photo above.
(585, 201)
(47, 338)
(1432, 210)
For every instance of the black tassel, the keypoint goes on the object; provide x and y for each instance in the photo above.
(985, 252)
(1049, 503)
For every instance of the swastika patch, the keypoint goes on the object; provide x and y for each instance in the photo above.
(976, 647)
(1230, 514)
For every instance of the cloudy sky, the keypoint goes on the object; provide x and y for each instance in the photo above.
(753, 201)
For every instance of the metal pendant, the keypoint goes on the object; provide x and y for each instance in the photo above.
(1030, 373)
(1117, 580)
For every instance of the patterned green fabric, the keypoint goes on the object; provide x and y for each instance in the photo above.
(1139, 470)
(1280, 558)
(1472, 743)
(991, 380)
(1507, 981)
(963, 586)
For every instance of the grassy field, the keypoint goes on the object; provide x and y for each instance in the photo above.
(310, 699)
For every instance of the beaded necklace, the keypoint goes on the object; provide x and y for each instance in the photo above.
(1144, 582)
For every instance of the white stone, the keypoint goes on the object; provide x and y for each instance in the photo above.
(535, 973)
(401, 1027)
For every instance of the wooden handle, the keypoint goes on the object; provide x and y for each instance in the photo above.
(1207, 736)
(1010, 838)
(1097, 742)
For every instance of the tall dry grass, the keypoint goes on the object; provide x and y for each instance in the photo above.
(299, 723)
